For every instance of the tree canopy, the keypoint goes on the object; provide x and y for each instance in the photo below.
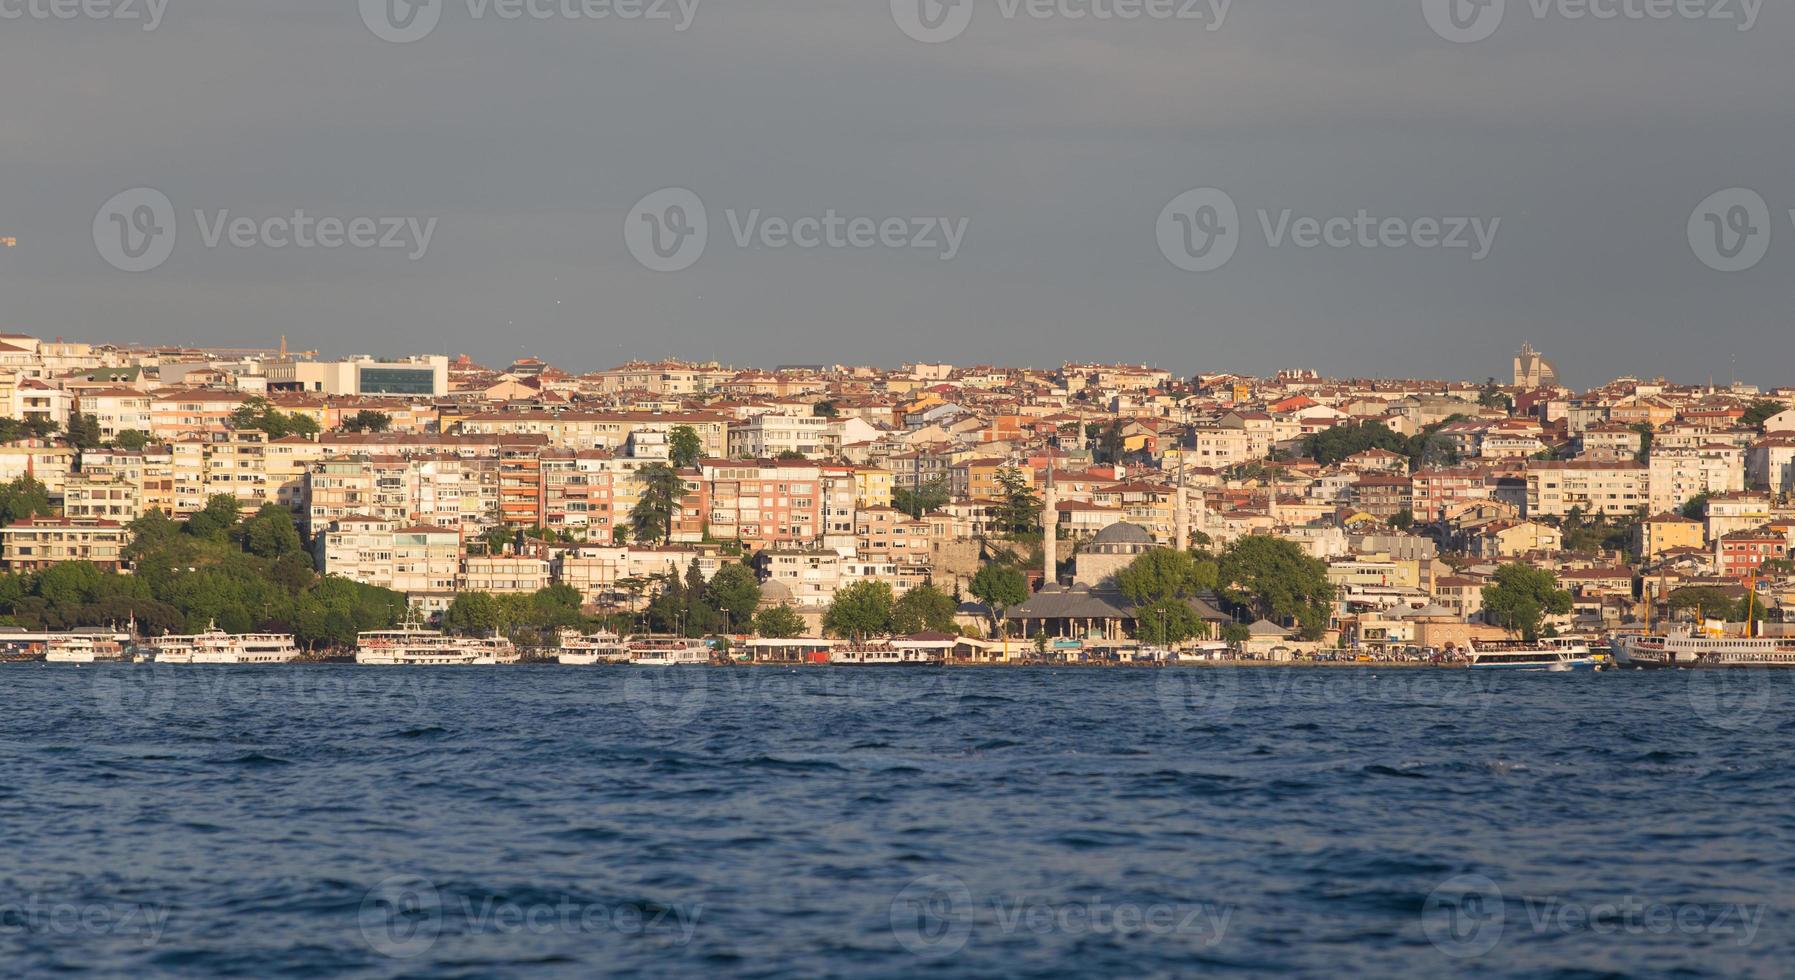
(860, 610)
(1278, 580)
(1521, 596)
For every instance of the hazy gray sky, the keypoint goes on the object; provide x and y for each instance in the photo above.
(1052, 143)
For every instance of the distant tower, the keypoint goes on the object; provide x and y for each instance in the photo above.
(1532, 370)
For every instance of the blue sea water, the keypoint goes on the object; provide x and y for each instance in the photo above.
(345, 821)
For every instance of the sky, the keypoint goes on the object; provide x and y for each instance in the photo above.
(993, 181)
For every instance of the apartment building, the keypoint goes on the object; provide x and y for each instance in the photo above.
(1613, 488)
(36, 543)
(420, 560)
(1677, 475)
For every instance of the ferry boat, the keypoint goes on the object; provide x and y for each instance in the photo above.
(1557, 655)
(669, 653)
(87, 647)
(879, 656)
(1706, 648)
(599, 648)
(412, 645)
(215, 646)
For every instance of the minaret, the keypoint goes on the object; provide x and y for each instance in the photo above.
(1180, 513)
(1050, 530)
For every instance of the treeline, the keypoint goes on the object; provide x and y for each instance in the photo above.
(246, 576)
(1424, 449)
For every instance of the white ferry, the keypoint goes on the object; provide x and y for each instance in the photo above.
(669, 653)
(879, 656)
(215, 646)
(581, 650)
(414, 646)
(1708, 648)
(87, 647)
(1556, 655)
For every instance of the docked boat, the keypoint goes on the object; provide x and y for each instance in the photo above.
(87, 647)
(1556, 655)
(215, 646)
(581, 650)
(414, 646)
(669, 653)
(875, 655)
(1705, 648)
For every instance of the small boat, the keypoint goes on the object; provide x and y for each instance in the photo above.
(1555, 655)
(581, 650)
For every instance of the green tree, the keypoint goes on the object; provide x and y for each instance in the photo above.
(734, 590)
(778, 623)
(84, 431)
(1333, 445)
(270, 533)
(1165, 574)
(1521, 596)
(924, 609)
(932, 496)
(1000, 587)
(1019, 508)
(368, 420)
(1760, 411)
(1646, 435)
(22, 498)
(860, 610)
(684, 447)
(217, 519)
(1707, 602)
(1278, 580)
(824, 409)
(651, 520)
(131, 439)
(1168, 622)
(474, 614)
(1696, 507)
